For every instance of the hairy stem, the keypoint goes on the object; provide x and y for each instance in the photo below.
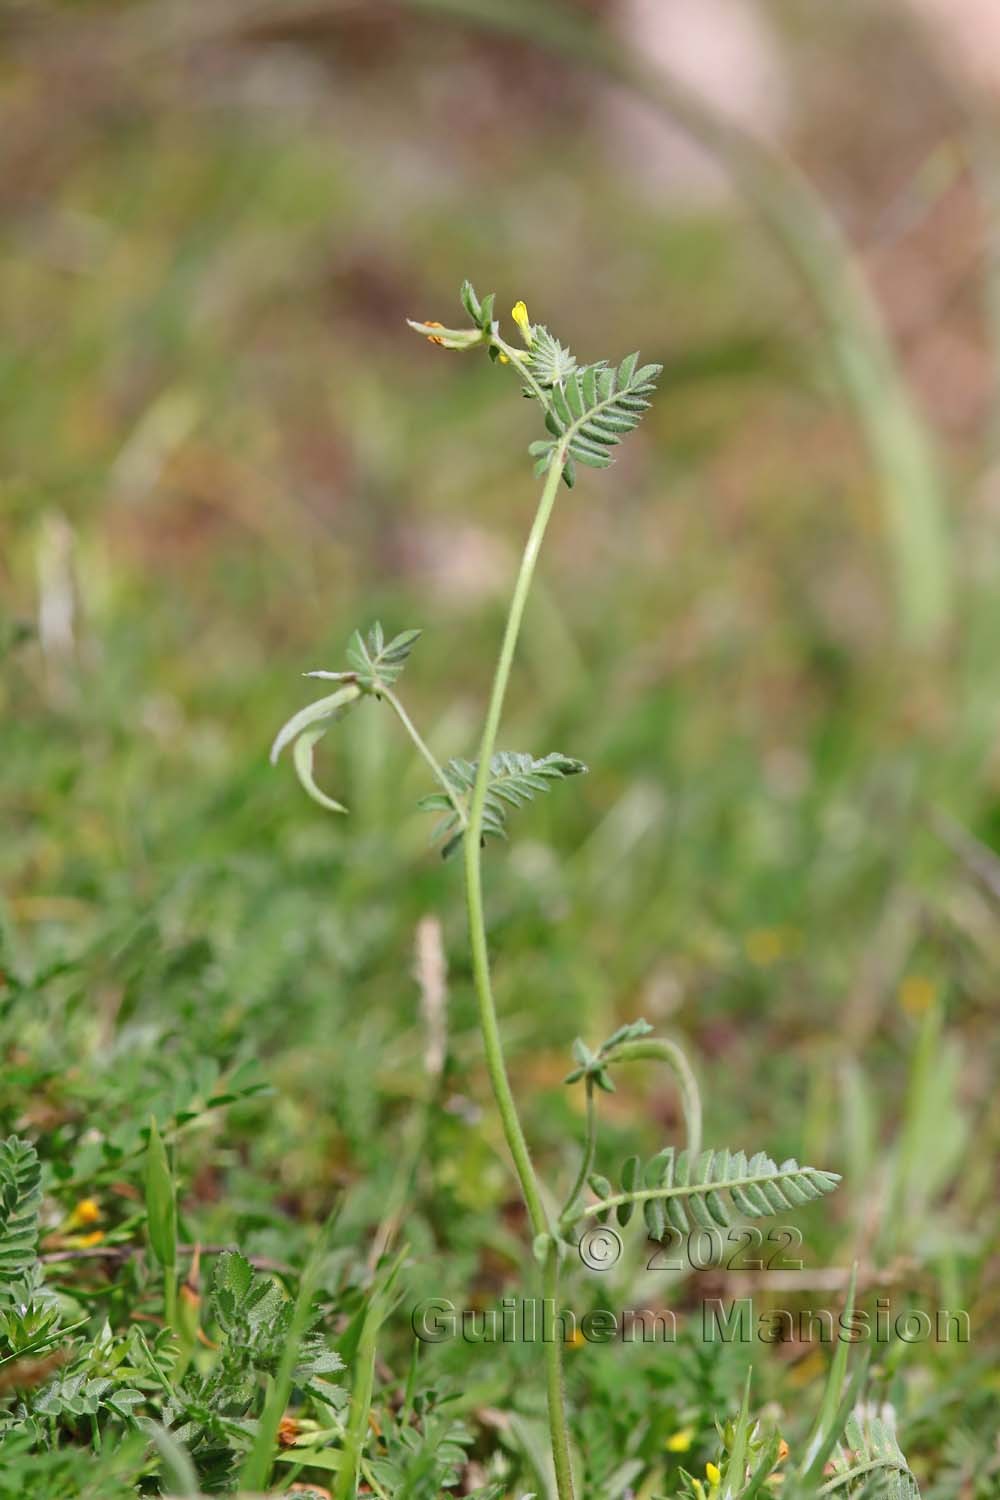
(495, 1063)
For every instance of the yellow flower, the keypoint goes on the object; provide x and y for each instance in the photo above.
(713, 1474)
(575, 1340)
(680, 1442)
(87, 1211)
(519, 313)
(917, 994)
(86, 1241)
(766, 945)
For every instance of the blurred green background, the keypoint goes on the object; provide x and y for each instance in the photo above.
(224, 450)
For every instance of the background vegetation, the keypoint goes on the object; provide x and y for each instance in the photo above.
(224, 450)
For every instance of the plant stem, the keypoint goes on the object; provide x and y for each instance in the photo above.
(473, 859)
(554, 1387)
(425, 751)
(519, 359)
(481, 971)
(588, 1154)
(170, 1296)
(658, 1049)
(259, 1461)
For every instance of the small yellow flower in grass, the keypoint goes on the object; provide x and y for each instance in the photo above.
(782, 1451)
(87, 1211)
(87, 1241)
(519, 313)
(768, 945)
(917, 994)
(575, 1340)
(713, 1474)
(680, 1442)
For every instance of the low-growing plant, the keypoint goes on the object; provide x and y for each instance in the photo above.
(588, 410)
(136, 1358)
(67, 1386)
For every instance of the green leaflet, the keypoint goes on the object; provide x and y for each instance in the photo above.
(161, 1207)
(515, 779)
(715, 1188)
(871, 1455)
(20, 1198)
(594, 1064)
(375, 660)
(550, 363)
(588, 410)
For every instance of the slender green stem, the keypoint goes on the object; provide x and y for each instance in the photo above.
(380, 1305)
(473, 859)
(658, 1049)
(372, 1482)
(589, 1149)
(554, 1387)
(170, 1296)
(361, 1400)
(425, 750)
(519, 358)
(495, 1064)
